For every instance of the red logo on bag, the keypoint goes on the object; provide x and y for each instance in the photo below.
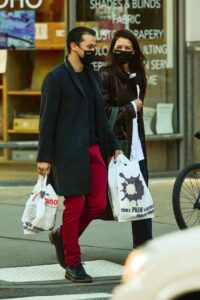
(51, 201)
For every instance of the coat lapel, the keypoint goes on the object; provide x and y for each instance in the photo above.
(74, 76)
(99, 103)
(92, 76)
(94, 80)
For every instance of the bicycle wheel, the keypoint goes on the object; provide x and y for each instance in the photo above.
(186, 197)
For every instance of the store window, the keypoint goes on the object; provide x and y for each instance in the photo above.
(32, 42)
(152, 21)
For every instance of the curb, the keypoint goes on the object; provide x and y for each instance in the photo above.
(49, 288)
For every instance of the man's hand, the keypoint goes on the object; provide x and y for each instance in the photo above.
(138, 103)
(43, 168)
(118, 152)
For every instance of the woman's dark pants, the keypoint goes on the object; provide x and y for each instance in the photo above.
(142, 229)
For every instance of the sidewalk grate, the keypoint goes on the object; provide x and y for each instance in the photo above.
(96, 268)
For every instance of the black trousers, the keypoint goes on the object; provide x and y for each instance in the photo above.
(142, 229)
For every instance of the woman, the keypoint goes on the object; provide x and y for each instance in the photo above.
(124, 86)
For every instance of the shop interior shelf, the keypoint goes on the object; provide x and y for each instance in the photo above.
(1, 87)
(164, 137)
(24, 92)
(18, 162)
(14, 131)
(48, 47)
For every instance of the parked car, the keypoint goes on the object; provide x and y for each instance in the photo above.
(164, 269)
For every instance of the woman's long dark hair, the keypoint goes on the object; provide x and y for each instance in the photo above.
(137, 64)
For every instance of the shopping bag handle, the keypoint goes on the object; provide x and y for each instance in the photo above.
(122, 158)
(42, 181)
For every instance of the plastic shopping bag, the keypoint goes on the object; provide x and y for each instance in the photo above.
(129, 196)
(41, 208)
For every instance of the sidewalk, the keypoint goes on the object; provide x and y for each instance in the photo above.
(25, 176)
(105, 245)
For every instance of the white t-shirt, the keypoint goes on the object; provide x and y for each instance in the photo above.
(136, 147)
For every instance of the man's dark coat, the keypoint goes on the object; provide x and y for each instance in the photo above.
(64, 129)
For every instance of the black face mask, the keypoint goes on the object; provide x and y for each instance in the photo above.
(88, 57)
(122, 57)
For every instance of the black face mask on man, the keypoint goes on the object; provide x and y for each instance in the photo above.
(88, 57)
(122, 57)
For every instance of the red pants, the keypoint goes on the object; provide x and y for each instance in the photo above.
(80, 210)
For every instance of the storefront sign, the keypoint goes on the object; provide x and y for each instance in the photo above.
(22, 4)
(156, 60)
(147, 19)
(144, 17)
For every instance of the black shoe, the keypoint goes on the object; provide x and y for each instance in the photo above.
(56, 240)
(77, 274)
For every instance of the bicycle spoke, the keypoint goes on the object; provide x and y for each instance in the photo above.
(185, 197)
(186, 193)
(193, 188)
(187, 212)
(186, 187)
(186, 204)
(198, 184)
(197, 180)
(195, 221)
(188, 184)
(198, 219)
(189, 217)
(187, 208)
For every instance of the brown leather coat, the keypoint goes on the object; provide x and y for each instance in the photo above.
(120, 92)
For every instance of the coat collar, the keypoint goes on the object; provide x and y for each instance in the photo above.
(73, 75)
(90, 71)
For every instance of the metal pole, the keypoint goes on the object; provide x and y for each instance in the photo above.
(181, 56)
(19, 145)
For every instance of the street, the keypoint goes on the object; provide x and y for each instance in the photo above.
(105, 246)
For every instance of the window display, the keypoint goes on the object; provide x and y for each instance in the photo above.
(34, 33)
(152, 21)
(17, 29)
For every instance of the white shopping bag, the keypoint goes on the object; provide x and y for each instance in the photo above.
(41, 208)
(129, 196)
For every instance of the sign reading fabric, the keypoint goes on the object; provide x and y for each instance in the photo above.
(144, 17)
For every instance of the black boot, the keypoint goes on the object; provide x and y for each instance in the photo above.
(56, 240)
(77, 274)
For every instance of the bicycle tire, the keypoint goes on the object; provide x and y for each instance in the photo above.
(176, 194)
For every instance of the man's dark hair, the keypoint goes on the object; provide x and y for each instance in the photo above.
(76, 35)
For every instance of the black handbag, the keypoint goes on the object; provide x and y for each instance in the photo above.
(123, 144)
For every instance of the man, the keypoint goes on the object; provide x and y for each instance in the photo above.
(74, 145)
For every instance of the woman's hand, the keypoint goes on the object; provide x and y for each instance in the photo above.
(118, 152)
(138, 103)
(43, 168)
